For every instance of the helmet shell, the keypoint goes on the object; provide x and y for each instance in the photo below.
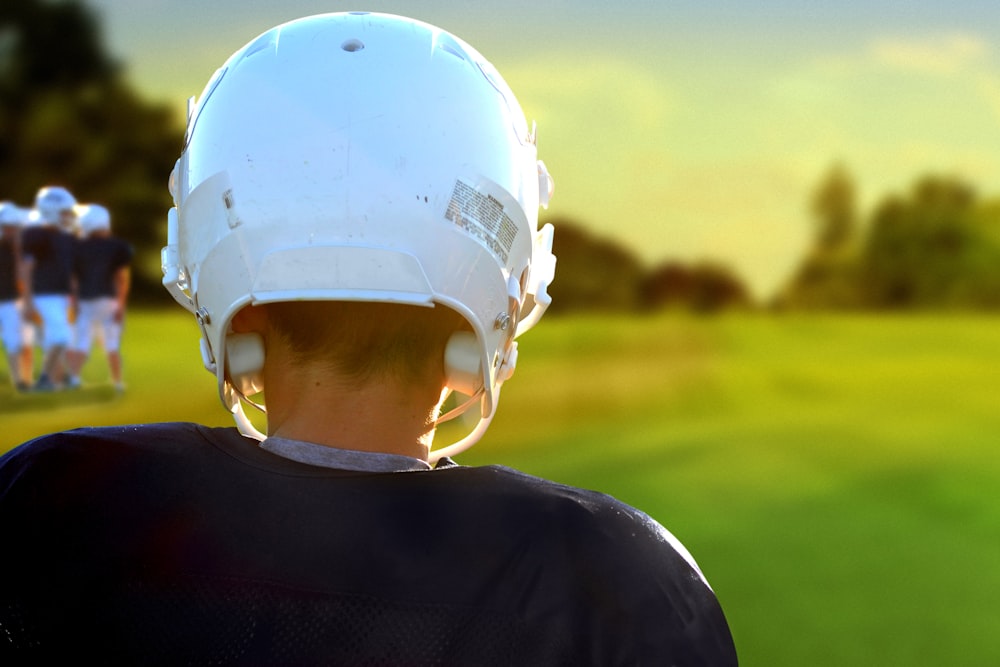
(92, 218)
(51, 201)
(12, 215)
(358, 156)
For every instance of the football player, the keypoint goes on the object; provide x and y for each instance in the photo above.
(356, 233)
(15, 333)
(103, 278)
(47, 247)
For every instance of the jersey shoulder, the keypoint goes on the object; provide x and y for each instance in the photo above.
(606, 556)
(98, 444)
(618, 533)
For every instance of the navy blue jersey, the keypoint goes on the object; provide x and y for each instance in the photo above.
(97, 260)
(181, 544)
(8, 269)
(52, 251)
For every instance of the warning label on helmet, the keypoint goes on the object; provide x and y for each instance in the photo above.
(482, 216)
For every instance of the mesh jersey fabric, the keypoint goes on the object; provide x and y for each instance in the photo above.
(183, 544)
(8, 272)
(52, 251)
(96, 260)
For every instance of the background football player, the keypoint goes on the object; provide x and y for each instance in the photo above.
(47, 246)
(15, 332)
(103, 276)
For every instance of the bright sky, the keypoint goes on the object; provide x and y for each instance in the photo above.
(686, 129)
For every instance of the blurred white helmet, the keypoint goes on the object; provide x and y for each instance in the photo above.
(12, 215)
(50, 203)
(92, 218)
(366, 157)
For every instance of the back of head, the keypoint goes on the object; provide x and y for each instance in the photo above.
(54, 205)
(361, 157)
(93, 218)
(360, 342)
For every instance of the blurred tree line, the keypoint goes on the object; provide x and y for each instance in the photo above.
(936, 246)
(598, 274)
(69, 117)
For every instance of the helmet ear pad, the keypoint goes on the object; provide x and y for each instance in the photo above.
(462, 370)
(245, 362)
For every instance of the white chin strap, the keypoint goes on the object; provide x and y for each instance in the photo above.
(243, 422)
(476, 433)
(246, 427)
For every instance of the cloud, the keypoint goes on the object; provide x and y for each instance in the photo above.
(989, 88)
(592, 92)
(603, 126)
(936, 55)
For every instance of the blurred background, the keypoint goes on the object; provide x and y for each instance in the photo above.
(774, 322)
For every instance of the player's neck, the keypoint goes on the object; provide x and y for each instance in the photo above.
(311, 405)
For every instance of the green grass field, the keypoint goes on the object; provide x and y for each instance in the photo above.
(836, 477)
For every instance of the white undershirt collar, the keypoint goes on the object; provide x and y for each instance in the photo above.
(341, 459)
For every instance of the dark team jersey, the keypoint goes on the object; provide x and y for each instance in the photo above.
(97, 259)
(8, 270)
(181, 544)
(52, 251)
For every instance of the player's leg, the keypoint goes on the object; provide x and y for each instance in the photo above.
(111, 335)
(56, 337)
(29, 336)
(79, 351)
(10, 333)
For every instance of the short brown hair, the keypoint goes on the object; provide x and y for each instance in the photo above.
(365, 340)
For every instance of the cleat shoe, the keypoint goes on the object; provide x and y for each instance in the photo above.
(44, 384)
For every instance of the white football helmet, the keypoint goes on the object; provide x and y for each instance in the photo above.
(92, 218)
(367, 157)
(12, 215)
(51, 201)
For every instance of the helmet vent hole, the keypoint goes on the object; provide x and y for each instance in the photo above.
(352, 45)
(453, 49)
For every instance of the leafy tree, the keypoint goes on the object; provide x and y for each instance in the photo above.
(937, 248)
(592, 273)
(705, 287)
(828, 276)
(834, 207)
(45, 45)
